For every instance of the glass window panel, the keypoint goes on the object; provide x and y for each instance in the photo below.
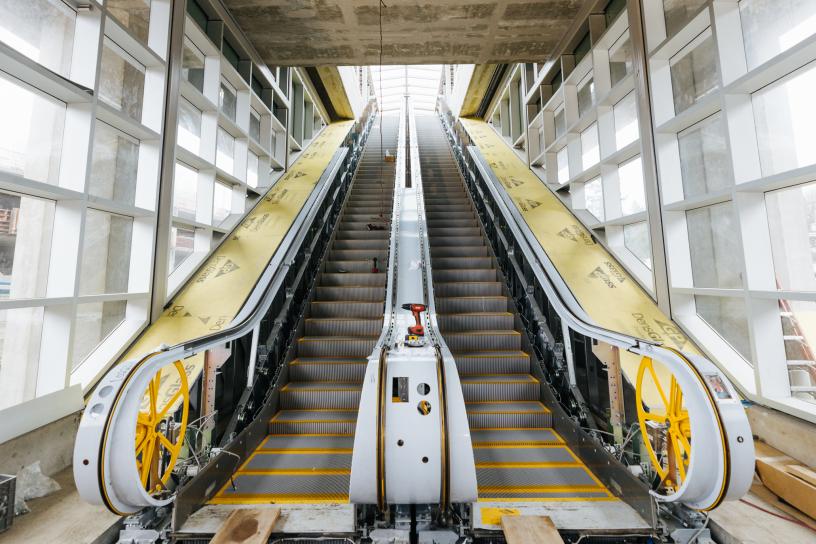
(121, 81)
(185, 192)
(192, 64)
(727, 316)
(562, 160)
(770, 27)
(630, 179)
(593, 195)
(626, 122)
(26, 227)
(225, 152)
(785, 115)
(95, 321)
(20, 340)
(42, 30)
(716, 257)
(636, 240)
(799, 329)
(792, 224)
(252, 169)
(560, 123)
(182, 245)
(222, 202)
(227, 100)
(620, 59)
(189, 126)
(255, 125)
(694, 75)
(586, 96)
(679, 12)
(105, 253)
(115, 164)
(34, 148)
(590, 153)
(705, 162)
(133, 14)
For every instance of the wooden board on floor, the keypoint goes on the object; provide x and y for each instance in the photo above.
(247, 526)
(530, 530)
(774, 469)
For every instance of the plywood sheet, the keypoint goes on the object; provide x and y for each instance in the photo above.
(603, 288)
(530, 530)
(214, 294)
(247, 526)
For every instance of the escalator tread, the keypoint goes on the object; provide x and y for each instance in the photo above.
(306, 458)
(519, 457)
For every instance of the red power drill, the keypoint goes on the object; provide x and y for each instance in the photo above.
(416, 309)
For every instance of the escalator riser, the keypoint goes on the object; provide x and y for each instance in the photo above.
(493, 364)
(328, 372)
(509, 421)
(340, 279)
(336, 347)
(319, 400)
(465, 274)
(454, 305)
(468, 321)
(344, 308)
(343, 327)
(486, 392)
(338, 293)
(471, 289)
(463, 342)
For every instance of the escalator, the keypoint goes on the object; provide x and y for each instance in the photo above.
(518, 454)
(306, 458)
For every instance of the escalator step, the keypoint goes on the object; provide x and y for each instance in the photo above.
(327, 370)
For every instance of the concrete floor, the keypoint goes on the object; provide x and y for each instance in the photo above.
(60, 517)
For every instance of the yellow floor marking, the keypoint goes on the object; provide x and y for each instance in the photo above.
(280, 499)
(292, 472)
(350, 435)
(603, 288)
(519, 429)
(301, 451)
(546, 499)
(551, 464)
(493, 516)
(542, 489)
(518, 446)
(215, 293)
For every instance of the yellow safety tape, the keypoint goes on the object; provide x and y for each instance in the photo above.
(600, 284)
(608, 498)
(215, 293)
(493, 516)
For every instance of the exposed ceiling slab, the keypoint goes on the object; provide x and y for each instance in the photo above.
(347, 32)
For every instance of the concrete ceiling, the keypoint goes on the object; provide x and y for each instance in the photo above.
(346, 32)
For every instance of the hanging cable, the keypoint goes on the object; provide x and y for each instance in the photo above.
(382, 151)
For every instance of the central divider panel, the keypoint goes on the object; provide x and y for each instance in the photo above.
(307, 456)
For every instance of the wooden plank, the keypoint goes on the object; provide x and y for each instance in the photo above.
(530, 530)
(247, 526)
(774, 471)
(803, 473)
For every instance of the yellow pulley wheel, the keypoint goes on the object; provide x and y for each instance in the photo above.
(158, 444)
(666, 429)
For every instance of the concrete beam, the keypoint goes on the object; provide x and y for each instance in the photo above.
(347, 32)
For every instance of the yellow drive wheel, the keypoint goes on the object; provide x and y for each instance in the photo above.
(666, 430)
(157, 449)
